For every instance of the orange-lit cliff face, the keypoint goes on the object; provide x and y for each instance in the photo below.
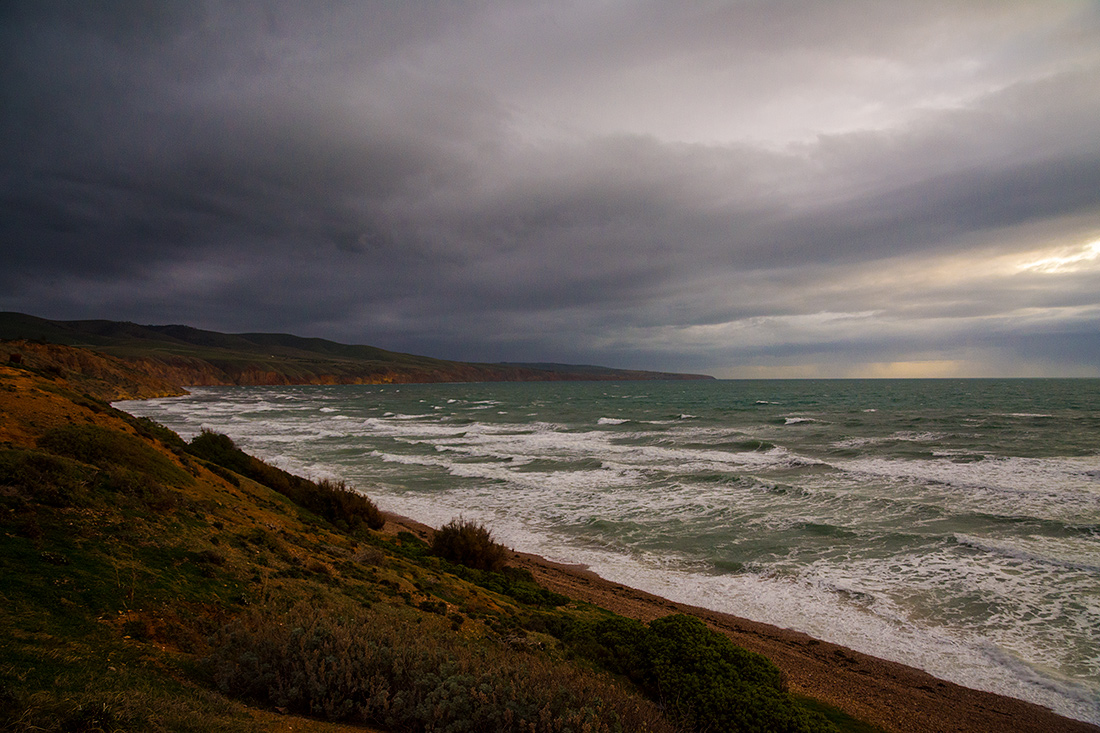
(156, 361)
(98, 375)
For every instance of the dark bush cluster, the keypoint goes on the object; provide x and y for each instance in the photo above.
(454, 542)
(469, 543)
(148, 428)
(113, 450)
(704, 680)
(75, 461)
(343, 506)
(335, 501)
(368, 669)
(516, 583)
(220, 450)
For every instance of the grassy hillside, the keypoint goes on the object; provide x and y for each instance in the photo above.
(190, 356)
(149, 584)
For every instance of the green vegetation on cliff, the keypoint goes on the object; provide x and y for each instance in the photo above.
(150, 584)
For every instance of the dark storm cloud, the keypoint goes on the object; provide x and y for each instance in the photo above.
(697, 186)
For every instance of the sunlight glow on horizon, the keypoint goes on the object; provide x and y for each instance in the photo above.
(1084, 258)
(917, 369)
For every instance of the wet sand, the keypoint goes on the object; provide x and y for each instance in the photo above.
(888, 694)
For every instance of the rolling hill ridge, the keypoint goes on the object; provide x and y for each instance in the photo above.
(183, 355)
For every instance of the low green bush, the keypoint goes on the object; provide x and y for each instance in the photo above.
(113, 450)
(704, 680)
(221, 450)
(516, 583)
(374, 669)
(469, 543)
(151, 429)
(334, 501)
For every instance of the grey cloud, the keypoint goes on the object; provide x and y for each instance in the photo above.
(413, 176)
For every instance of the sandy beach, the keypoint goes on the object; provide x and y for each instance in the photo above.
(888, 694)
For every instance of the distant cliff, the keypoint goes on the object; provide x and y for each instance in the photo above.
(185, 356)
(100, 376)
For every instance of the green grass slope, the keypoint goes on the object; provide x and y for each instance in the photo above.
(150, 584)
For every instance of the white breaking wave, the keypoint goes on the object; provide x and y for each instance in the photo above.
(922, 544)
(1050, 488)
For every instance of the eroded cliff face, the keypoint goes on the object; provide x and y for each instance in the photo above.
(144, 369)
(113, 378)
(198, 373)
(98, 375)
(190, 372)
(182, 370)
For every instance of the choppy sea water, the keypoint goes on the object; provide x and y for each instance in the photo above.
(953, 525)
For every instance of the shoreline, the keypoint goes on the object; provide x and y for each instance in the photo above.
(889, 694)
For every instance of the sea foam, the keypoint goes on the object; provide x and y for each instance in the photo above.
(935, 523)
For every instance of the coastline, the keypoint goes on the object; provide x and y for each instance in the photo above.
(891, 695)
(885, 693)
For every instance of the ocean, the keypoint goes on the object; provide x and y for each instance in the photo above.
(953, 525)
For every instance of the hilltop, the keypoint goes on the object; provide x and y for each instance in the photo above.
(183, 355)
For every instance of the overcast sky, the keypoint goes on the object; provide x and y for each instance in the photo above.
(746, 189)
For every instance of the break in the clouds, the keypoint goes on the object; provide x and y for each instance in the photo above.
(741, 188)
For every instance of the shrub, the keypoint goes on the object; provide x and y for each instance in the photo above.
(616, 644)
(111, 450)
(335, 501)
(376, 670)
(516, 583)
(221, 450)
(705, 681)
(150, 429)
(468, 543)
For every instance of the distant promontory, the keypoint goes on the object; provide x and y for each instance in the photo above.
(186, 356)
